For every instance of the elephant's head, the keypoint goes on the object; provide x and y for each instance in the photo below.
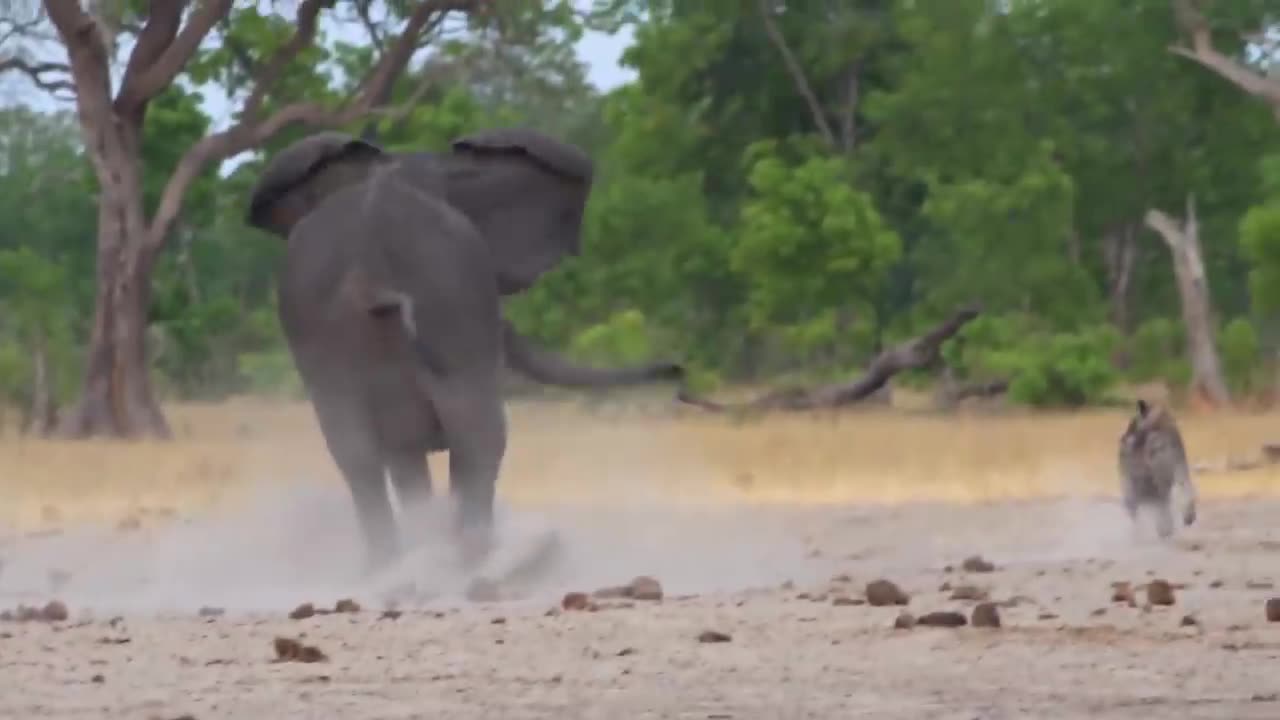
(523, 190)
(300, 176)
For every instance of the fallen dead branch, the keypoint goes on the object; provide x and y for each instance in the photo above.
(913, 354)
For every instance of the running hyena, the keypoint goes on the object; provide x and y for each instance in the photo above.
(1152, 462)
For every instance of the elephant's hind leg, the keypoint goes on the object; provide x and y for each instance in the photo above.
(357, 456)
(475, 427)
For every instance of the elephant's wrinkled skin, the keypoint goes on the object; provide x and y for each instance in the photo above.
(390, 299)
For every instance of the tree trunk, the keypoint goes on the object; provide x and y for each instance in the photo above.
(116, 395)
(1119, 252)
(40, 414)
(1183, 239)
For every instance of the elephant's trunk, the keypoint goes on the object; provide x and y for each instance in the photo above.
(551, 369)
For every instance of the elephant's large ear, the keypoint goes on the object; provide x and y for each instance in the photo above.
(304, 173)
(526, 192)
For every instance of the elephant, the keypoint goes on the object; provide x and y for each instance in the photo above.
(390, 293)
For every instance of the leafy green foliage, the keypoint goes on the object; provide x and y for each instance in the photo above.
(1239, 343)
(952, 152)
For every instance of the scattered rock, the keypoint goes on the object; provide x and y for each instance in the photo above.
(1273, 609)
(1122, 592)
(129, 523)
(1159, 592)
(626, 651)
(1260, 585)
(845, 601)
(575, 601)
(904, 621)
(290, 650)
(986, 615)
(390, 615)
(968, 592)
(1099, 612)
(645, 588)
(714, 636)
(882, 592)
(54, 611)
(1216, 584)
(303, 611)
(1047, 616)
(942, 618)
(346, 605)
(842, 578)
(208, 611)
(1188, 621)
(976, 564)
(99, 679)
(498, 621)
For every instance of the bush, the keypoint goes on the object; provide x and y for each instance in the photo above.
(1239, 345)
(270, 373)
(1157, 352)
(1064, 369)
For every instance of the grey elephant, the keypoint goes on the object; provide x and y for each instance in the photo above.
(390, 300)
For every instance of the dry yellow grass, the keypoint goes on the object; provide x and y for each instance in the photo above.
(559, 453)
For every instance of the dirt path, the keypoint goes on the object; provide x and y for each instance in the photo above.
(1065, 649)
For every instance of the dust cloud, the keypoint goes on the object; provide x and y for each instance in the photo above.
(299, 543)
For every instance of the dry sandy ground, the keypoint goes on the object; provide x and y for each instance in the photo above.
(1065, 649)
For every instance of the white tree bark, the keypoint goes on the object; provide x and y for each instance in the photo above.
(1183, 239)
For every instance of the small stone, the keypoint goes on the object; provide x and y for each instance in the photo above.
(1122, 592)
(882, 592)
(841, 578)
(303, 611)
(945, 586)
(942, 618)
(99, 679)
(390, 615)
(291, 650)
(1047, 616)
(1099, 612)
(1188, 621)
(1260, 585)
(575, 601)
(208, 611)
(986, 615)
(1273, 609)
(626, 651)
(1216, 584)
(845, 601)
(346, 605)
(498, 621)
(714, 636)
(976, 564)
(54, 611)
(645, 588)
(904, 621)
(1160, 592)
(968, 592)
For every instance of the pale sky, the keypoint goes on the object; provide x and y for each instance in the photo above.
(599, 51)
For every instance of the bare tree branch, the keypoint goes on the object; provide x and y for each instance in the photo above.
(797, 73)
(152, 78)
(251, 131)
(848, 114)
(37, 73)
(1202, 51)
(915, 353)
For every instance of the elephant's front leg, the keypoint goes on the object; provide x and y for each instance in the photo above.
(475, 428)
